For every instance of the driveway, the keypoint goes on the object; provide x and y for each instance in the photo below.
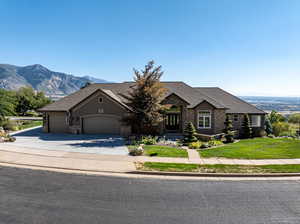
(99, 144)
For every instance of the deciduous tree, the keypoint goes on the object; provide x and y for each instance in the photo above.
(144, 99)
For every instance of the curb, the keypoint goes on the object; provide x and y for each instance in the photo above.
(150, 173)
(64, 168)
(191, 174)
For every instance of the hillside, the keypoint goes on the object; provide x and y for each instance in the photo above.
(42, 79)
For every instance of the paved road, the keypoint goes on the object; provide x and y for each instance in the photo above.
(28, 196)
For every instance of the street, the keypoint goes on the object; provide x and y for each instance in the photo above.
(33, 197)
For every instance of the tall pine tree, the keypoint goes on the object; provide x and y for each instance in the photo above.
(144, 99)
(247, 130)
(189, 133)
(229, 135)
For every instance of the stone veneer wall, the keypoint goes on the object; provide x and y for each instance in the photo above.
(217, 118)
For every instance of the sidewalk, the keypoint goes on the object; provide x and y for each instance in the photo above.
(109, 163)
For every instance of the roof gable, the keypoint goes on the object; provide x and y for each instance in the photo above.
(233, 103)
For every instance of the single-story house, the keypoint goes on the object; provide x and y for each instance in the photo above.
(99, 108)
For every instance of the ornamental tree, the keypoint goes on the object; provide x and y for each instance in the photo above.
(144, 99)
(229, 135)
(246, 127)
(268, 126)
(189, 133)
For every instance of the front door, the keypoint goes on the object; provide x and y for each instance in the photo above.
(173, 122)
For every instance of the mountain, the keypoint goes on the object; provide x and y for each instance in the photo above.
(42, 79)
(94, 80)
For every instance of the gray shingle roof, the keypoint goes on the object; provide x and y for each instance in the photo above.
(215, 96)
(235, 104)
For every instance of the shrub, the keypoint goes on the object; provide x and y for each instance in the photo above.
(276, 117)
(11, 139)
(148, 140)
(204, 145)
(280, 127)
(10, 125)
(195, 145)
(287, 133)
(247, 130)
(295, 118)
(268, 126)
(229, 135)
(215, 143)
(189, 133)
(136, 151)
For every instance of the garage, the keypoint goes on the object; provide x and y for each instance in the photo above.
(57, 122)
(101, 124)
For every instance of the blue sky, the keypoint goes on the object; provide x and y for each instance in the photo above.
(248, 47)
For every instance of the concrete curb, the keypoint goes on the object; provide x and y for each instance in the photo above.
(193, 174)
(62, 168)
(152, 173)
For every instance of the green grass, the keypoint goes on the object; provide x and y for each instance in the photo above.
(163, 151)
(30, 124)
(258, 148)
(219, 168)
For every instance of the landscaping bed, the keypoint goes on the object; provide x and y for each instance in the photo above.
(218, 168)
(12, 125)
(258, 148)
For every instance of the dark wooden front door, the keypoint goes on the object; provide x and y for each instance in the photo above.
(172, 122)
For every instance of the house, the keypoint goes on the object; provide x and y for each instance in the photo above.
(99, 108)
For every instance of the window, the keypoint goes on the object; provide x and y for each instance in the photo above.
(204, 119)
(255, 120)
(100, 110)
(236, 117)
(100, 100)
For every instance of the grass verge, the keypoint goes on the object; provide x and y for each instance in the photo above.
(218, 168)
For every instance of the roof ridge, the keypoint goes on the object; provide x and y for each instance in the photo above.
(239, 99)
(216, 101)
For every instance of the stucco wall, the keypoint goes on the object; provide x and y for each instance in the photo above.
(55, 122)
(92, 106)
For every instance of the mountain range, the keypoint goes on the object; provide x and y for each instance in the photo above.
(40, 78)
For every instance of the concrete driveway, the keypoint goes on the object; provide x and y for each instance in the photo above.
(99, 144)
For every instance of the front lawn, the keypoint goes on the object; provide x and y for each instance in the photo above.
(218, 168)
(258, 148)
(163, 151)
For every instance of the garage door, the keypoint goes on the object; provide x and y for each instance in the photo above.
(102, 124)
(57, 123)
